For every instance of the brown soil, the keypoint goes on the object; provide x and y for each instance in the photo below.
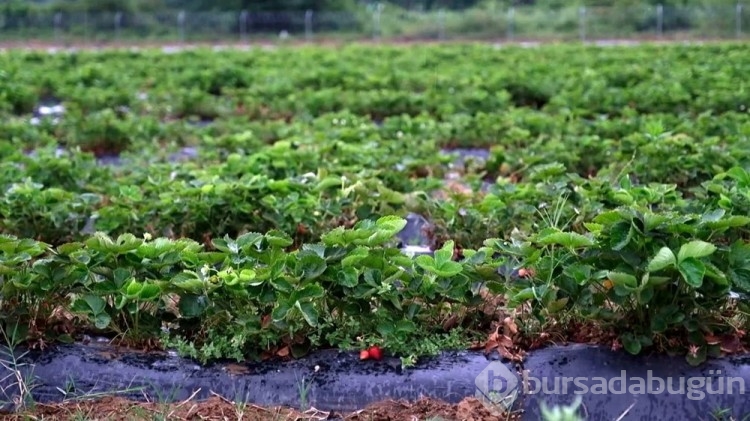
(217, 408)
(337, 42)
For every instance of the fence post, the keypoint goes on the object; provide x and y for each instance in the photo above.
(376, 21)
(181, 24)
(308, 24)
(511, 22)
(659, 20)
(243, 26)
(582, 23)
(118, 25)
(738, 19)
(57, 22)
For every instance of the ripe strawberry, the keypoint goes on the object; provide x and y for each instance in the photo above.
(525, 273)
(375, 352)
(364, 354)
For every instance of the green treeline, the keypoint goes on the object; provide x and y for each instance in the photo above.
(21, 6)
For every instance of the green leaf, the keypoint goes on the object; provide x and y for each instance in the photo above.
(80, 256)
(308, 312)
(620, 236)
(192, 305)
(120, 276)
(524, 295)
(405, 327)
(188, 281)
(348, 277)
(426, 262)
(608, 218)
(713, 216)
(249, 241)
(312, 266)
(631, 344)
(391, 223)
(658, 323)
(441, 264)
(653, 220)
(448, 269)
(96, 304)
(15, 332)
(225, 245)
(623, 279)
(327, 183)
(355, 256)
(716, 274)
(100, 242)
(695, 249)
(281, 284)
(335, 237)
(280, 312)
(149, 292)
(317, 249)
(593, 228)
(67, 249)
(733, 221)
(663, 259)
(308, 292)
(656, 281)
(578, 272)
(133, 289)
(279, 239)
(444, 254)
(103, 243)
(247, 277)
(740, 175)
(102, 320)
(692, 271)
(557, 305)
(645, 295)
(127, 242)
(566, 239)
(386, 328)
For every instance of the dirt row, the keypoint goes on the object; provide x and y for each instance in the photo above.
(333, 42)
(218, 408)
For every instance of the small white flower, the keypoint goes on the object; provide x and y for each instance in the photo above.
(205, 269)
(147, 236)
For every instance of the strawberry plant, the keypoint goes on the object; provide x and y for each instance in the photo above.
(657, 278)
(254, 212)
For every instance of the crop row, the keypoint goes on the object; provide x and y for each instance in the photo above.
(338, 169)
(618, 182)
(107, 131)
(381, 81)
(641, 271)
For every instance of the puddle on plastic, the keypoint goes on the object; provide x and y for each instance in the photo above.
(465, 155)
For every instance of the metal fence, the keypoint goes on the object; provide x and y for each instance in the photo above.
(380, 23)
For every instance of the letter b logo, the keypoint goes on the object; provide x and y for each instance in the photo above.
(496, 387)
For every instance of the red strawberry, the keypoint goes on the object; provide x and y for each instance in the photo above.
(375, 352)
(364, 354)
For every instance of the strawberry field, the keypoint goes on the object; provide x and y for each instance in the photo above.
(267, 204)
